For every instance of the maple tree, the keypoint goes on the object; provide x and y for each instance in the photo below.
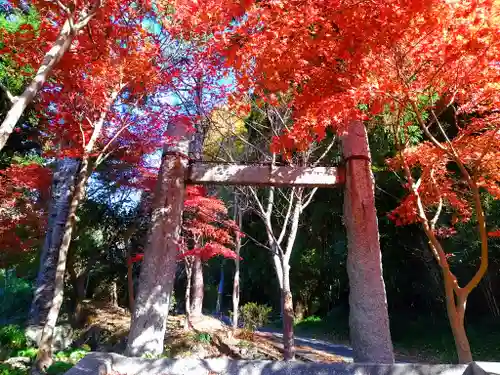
(452, 68)
(207, 232)
(449, 175)
(95, 101)
(336, 70)
(61, 24)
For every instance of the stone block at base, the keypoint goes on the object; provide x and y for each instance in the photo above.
(110, 363)
(63, 336)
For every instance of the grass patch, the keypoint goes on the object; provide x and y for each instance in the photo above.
(334, 327)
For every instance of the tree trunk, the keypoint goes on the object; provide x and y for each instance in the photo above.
(130, 266)
(52, 57)
(113, 298)
(187, 294)
(455, 307)
(80, 291)
(461, 342)
(236, 281)
(79, 283)
(44, 357)
(288, 317)
(198, 288)
(279, 274)
(62, 187)
(220, 289)
(368, 316)
(149, 320)
(130, 280)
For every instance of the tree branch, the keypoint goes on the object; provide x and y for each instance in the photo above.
(287, 217)
(328, 148)
(9, 95)
(309, 198)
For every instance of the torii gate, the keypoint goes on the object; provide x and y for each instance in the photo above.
(368, 317)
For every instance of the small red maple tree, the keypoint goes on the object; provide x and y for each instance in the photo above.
(207, 232)
(207, 225)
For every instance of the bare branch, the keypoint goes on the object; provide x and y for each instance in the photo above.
(293, 230)
(69, 14)
(309, 198)
(323, 155)
(83, 134)
(101, 158)
(287, 217)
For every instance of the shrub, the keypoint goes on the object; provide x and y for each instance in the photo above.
(254, 315)
(203, 337)
(12, 337)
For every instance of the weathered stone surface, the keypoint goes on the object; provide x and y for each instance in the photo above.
(483, 368)
(22, 363)
(63, 336)
(109, 363)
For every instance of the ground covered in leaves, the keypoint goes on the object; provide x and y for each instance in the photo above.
(105, 329)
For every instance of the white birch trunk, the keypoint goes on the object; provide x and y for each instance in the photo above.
(198, 288)
(52, 57)
(237, 249)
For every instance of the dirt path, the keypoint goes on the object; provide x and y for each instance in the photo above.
(310, 348)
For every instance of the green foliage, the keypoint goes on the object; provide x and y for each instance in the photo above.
(72, 355)
(26, 352)
(59, 368)
(311, 319)
(334, 326)
(5, 369)
(15, 21)
(12, 337)
(9, 75)
(203, 337)
(15, 296)
(254, 315)
(173, 303)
